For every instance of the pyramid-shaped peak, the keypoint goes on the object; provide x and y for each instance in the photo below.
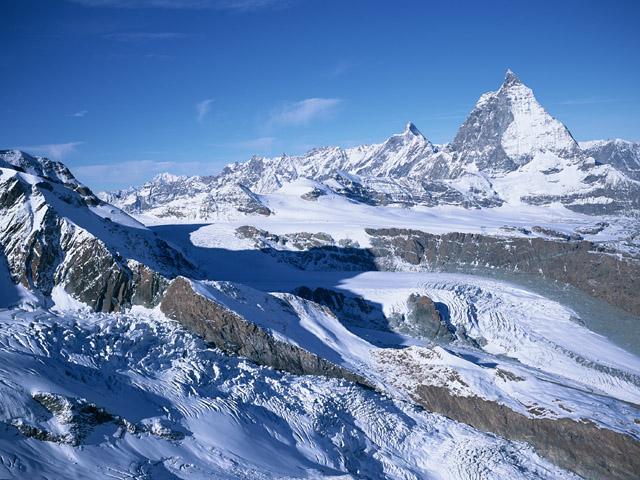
(510, 79)
(508, 127)
(411, 129)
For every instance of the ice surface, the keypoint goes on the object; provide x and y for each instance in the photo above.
(183, 410)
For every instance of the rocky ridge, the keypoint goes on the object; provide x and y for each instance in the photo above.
(55, 233)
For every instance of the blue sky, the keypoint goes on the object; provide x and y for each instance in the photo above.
(123, 89)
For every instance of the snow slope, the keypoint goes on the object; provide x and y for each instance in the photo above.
(169, 407)
(344, 219)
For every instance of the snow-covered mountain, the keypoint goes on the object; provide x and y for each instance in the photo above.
(56, 234)
(136, 394)
(506, 130)
(508, 150)
(621, 154)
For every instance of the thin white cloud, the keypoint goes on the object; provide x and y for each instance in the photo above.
(304, 112)
(57, 151)
(203, 108)
(340, 69)
(589, 101)
(109, 176)
(144, 36)
(79, 114)
(260, 143)
(231, 5)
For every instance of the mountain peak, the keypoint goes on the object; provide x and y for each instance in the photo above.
(38, 166)
(411, 129)
(510, 79)
(166, 177)
(508, 127)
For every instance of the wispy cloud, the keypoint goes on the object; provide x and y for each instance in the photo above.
(56, 151)
(589, 101)
(340, 69)
(203, 108)
(304, 112)
(109, 176)
(447, 116)
(144, 36)
(254, 144)
(231, 5)
(79, 114)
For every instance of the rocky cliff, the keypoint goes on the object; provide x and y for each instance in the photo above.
(592, 452)
(611, 277)
(236, 335)
(55, 232)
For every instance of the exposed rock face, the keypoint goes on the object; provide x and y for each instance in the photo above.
(44, 168)
(621, 154)
(218, 202)
(582, 447)
(426, 320)
(608, 276)
(310, 251)
(549, 232)
(298, 241)
(238, 336)
(78, 418)
(570, 444)
(51, 235)
(352, 310)
(313, 195)
(507, 128)
(335, 301)
(582, 264)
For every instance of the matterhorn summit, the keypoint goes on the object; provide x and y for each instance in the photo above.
(507, 128)
(411, 129)
(510, 78)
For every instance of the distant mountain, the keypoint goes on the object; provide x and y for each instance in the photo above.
(506, 130)
(508, 150)
(621, 154)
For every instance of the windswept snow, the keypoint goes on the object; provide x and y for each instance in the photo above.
(173, 408)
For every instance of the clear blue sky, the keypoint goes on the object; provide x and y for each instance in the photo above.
(123, 89)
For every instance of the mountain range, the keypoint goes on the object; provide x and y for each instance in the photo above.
(508, 150)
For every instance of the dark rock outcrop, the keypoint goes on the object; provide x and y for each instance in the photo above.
(236, 335)
(549, 232)
(80, 418)
(315, 251)
(614, 278)
(426, 319)
(592, 452)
